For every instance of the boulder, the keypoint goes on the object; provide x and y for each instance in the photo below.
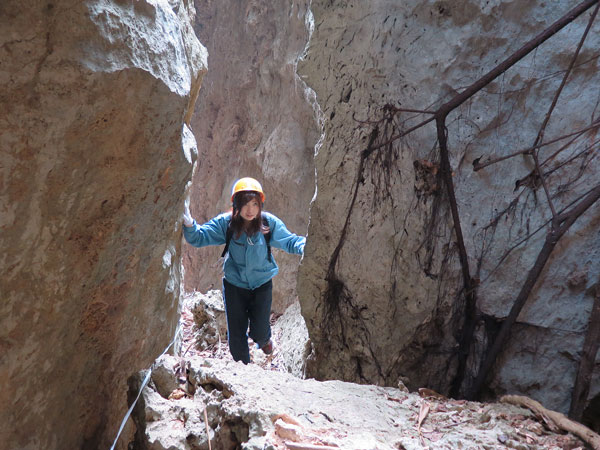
(293, 344)
(210, 321)
(94, 162)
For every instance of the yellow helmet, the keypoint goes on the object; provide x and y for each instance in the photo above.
(247, 184)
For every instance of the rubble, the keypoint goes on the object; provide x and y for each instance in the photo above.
(204, 328)
(251, 408)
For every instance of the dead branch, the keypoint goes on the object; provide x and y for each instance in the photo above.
(586, 363)
(542, 179)
(300, 446)
(206, 425)
(559, 226)
(509, 250)
(440, 118)
(470, 293)
(540, 136)
(584, 152)
(556, 153)
(516, 57)
(470, 308)
(477, 165)
(560, 420)
(560, 222)
(419, 111)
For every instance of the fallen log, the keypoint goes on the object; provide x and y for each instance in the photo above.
(559, 419)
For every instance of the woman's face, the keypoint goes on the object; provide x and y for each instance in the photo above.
(250, 210)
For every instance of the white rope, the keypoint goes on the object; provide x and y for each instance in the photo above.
(144, 383)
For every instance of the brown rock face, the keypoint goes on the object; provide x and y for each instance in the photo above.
(254, 120)
(92, 173)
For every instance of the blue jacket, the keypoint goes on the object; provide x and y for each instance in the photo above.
(246, 265)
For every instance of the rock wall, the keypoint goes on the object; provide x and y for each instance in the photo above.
(380, 283)
(93, 166)
(255, 119)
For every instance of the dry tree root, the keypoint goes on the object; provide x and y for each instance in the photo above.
(555, 418)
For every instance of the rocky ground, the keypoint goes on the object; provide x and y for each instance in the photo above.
(204, 334)
(205, 397)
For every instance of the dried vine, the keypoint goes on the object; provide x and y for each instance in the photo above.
(561, 220)
(337, 295)
(586, 363)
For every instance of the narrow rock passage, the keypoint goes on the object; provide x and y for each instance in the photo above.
(261, 406)
(204, 334)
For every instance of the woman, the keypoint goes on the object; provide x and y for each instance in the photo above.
(248, 233)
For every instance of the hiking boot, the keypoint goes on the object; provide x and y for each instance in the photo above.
(268, 347)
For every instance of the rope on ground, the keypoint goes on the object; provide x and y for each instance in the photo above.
(144, 383)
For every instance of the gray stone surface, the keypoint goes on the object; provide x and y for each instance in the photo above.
(250, 408)
(204, 334)
(210, 321)
(293, 344)
(380, 281)
(92, 172)
(255, 119)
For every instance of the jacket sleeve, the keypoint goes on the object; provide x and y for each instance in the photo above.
(284, 239)
(212, 232)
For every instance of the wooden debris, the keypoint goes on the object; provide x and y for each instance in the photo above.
(423, 413)
(177, 394)
(206, 425)
(558, 419)
(286, 418)
(300, 446)
(288, 431)
(528, 437)
(430, 393)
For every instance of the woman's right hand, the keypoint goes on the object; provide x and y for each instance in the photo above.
(188, 221)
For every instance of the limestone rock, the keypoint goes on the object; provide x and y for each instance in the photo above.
(204, 334)
(92, 171)
(288, 431)
(255, 120)
(380, 283)
(184, 416)
(293, 345)
(210, 321)
(250, 408)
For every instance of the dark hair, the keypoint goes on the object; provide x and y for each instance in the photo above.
(238, 224)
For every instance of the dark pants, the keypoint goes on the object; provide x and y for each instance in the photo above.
(247, 307)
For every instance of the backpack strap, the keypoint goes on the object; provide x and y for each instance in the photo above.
(229, 234)
(268, 237)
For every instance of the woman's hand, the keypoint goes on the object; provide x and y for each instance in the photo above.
(188, 221)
